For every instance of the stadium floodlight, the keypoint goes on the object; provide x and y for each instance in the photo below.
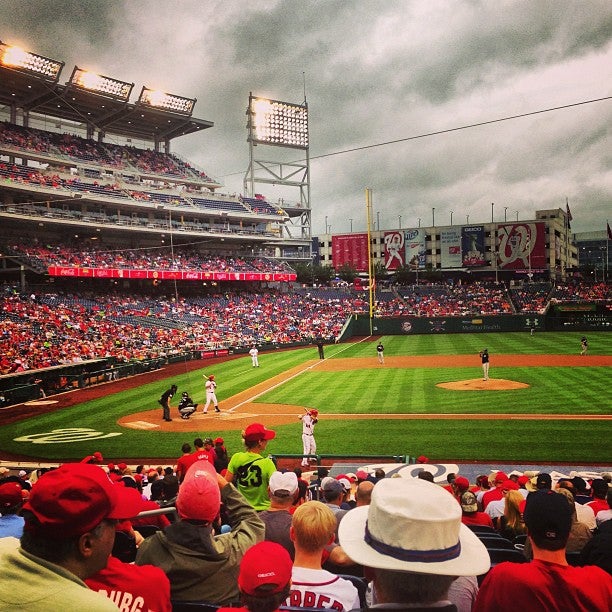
(166, 101)
(273, 122)
(18, 59)
(98, 83)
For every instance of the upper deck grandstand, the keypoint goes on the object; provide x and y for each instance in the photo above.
(69, 168)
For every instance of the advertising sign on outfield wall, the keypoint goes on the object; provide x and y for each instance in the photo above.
(415, 248)
(521, 246)
(450, 247)
(394, 250)
(350, 249)
(473, 246)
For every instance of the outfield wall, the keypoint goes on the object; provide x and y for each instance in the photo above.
(360, 325)
(582, 319)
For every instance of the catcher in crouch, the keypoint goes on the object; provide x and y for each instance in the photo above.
(309, 420)
(186, 406)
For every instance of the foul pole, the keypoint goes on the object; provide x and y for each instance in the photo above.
(371, 281)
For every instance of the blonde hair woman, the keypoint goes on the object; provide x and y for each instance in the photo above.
(511, 522)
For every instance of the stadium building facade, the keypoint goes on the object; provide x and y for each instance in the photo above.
(539, 248)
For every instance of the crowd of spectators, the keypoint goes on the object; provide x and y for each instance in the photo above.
(124, 188)
(116, 171)
(118, 536)
(456, 300)
(531, 297)
(52, 329)
(48, 329)
(68, 146)
(182, 258)
(581, 292)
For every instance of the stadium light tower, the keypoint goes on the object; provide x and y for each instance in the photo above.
(15, 58)
(166, 101)
(100, 84)
(273, 123)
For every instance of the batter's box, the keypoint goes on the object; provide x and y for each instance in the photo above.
(142, 425)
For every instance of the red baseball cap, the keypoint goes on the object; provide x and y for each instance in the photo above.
(462, 483)
(10, 495)
(523, 480)
(75, 498)
(510, 485)
(256, 431)
(199, 497)
(265, 564)
(501, 477)
(219, 440)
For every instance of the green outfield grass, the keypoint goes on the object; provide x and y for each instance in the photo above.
(581, 390)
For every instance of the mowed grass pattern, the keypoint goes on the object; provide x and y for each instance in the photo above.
(376, 390)
(413, 390)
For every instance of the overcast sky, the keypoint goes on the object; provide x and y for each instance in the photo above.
(375, 71)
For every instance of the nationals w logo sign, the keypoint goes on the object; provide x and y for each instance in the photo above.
(64, 436)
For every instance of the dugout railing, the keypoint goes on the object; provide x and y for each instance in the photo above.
(318, 459)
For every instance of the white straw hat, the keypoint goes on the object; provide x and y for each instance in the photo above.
(412, 525)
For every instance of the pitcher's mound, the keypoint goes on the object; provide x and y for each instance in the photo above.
(477, 384)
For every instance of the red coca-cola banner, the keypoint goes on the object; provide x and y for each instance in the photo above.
(282, 277)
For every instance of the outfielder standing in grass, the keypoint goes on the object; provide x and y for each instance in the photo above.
(309, 420)
(484, 357)
(211, 395)
(380, 351)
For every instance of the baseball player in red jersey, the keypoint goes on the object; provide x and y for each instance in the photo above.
(309, 420)
(211, 395)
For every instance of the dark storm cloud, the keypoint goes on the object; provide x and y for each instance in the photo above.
(54, 25)
(375, 71)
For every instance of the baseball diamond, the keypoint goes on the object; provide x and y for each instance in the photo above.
(253, 402)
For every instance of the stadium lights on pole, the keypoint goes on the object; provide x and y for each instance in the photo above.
(166, 101)
(492, 207)
(400, 221)
(16, 58)
(326, 224)
(419, 220)
(378, 220)
(467, 219)
(99, 83)
(351, 221)
(517, 216)
(451, 216)
(273, 122)
(505, 211)
(433, 216)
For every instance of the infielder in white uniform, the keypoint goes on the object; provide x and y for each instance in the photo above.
(211, 396)
(253, 353)
(309, 420)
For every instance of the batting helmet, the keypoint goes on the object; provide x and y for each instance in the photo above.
(211, 377)
(314, 412)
